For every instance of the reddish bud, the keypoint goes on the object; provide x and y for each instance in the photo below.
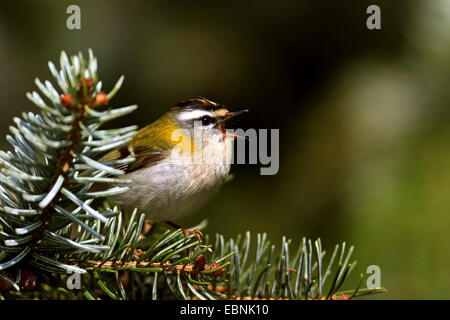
(67, 100)
(88, 82)
(28, 280)
(101, 99)
(200, 260)
(217, 273)
(200, 263)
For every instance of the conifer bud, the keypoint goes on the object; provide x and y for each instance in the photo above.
(67, 100)
(101, 99)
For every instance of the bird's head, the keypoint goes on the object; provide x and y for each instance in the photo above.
(202, 115)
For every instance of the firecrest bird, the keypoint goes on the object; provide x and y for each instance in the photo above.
(182, 159)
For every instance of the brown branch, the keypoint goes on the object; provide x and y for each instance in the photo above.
(192, 268)
(99, 265)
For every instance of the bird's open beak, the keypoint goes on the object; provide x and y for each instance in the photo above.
(233, 114)
(221, 124)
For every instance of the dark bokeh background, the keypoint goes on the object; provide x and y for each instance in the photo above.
(363, 115)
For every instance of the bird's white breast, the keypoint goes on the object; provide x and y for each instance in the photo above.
(172, 189)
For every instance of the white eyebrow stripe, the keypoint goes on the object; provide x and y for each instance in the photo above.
(194, 114)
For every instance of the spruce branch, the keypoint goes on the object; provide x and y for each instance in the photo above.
(44, 183)
(53, 222)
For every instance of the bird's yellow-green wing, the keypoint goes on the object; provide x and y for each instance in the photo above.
(150, 145)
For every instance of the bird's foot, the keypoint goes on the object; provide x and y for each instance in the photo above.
(197, 233)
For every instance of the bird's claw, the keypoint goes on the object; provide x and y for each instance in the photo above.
(196, 233)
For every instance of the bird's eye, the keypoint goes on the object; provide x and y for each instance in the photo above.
(206, 120)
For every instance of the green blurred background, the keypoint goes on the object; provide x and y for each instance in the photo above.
(363, 115)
